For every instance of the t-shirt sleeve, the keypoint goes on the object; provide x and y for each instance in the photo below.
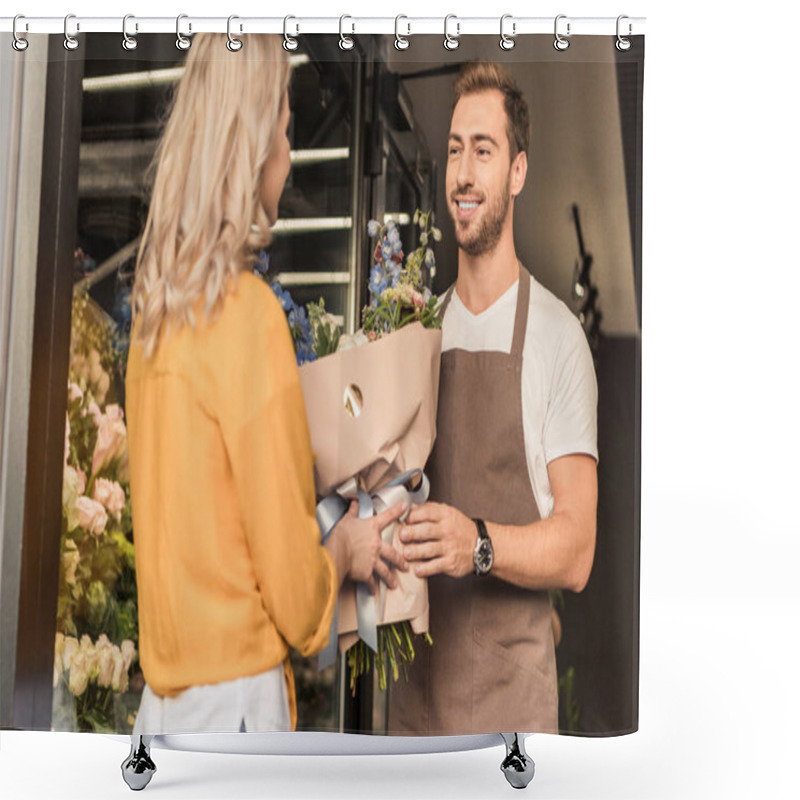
(266, 436)
(570, 424)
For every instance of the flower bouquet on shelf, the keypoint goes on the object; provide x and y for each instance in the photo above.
(371, 400)
(97, 621)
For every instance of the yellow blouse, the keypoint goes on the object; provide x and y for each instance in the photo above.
(229, 566)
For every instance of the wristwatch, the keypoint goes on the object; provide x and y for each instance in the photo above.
(483, 556)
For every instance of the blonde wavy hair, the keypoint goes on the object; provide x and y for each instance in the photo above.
(206, 219)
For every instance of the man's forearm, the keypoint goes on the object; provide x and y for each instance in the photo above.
(554, 553)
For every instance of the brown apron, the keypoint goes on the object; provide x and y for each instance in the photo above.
(492, 666)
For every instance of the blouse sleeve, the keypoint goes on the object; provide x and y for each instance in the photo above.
(264, 426)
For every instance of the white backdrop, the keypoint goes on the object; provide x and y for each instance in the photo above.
(720, 531)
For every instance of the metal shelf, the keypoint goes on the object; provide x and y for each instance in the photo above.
(100, 174)
(153, 77)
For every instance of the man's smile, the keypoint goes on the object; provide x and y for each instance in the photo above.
(466, 207)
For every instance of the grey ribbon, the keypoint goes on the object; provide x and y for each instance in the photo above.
(329, 511)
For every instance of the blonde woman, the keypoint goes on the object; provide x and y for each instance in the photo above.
(229, 565)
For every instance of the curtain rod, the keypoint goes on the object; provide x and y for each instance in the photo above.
(452, 25)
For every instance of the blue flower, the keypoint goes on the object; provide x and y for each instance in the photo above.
(377, 282)
(299, 325)
(373, 228)
(262, 262)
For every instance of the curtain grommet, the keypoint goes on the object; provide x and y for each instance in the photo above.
(561, 43)
(451, 42)
(401, 42)
(507, 42)
(289, 42)
(70, 42)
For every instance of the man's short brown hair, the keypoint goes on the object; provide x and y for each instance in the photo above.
(480, 76)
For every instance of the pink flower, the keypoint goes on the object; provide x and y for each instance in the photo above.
(91, 515)
(71, 648)
(105, 661)
(66, 441)
(111, 438)
(113, 411)
(111, 495)
(128, 650)
(94, 410)
(75, 391)
(119, 681)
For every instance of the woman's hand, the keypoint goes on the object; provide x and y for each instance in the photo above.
(368, 555)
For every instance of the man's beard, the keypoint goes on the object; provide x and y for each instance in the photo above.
(485, 239)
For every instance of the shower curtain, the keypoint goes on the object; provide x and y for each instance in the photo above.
(454, 266)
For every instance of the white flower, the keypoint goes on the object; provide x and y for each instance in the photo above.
(346, 341)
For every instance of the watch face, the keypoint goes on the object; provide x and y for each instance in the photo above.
(484, 556)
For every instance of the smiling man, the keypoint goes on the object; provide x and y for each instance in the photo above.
(514, 470)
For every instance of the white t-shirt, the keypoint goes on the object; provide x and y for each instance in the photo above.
(559, 387)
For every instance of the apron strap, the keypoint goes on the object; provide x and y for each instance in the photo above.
(445, 302)
(521, 318)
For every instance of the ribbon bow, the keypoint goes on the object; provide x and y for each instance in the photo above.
(330, 510)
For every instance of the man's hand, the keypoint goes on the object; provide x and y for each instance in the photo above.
(438, 539)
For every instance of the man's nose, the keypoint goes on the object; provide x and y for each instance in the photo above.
(466, 173)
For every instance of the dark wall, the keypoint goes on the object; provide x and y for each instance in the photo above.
(601, 625)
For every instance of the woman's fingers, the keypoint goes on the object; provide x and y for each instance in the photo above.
(393, 556)
(389, 515)
(386, 575)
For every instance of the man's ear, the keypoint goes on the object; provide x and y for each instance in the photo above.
(519, 171)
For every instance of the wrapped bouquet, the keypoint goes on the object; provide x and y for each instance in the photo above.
(371, 402)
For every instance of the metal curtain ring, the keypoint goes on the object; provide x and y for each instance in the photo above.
(451, 42)
(507, 42)
(561, 43)
(400, 42)
(623, 44)
(182, 42)
(128, 42)
(345, 42)
(70, 42)
(288, 42)
(233, 44)
(18, 43)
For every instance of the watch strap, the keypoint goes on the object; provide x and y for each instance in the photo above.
(481, 525)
